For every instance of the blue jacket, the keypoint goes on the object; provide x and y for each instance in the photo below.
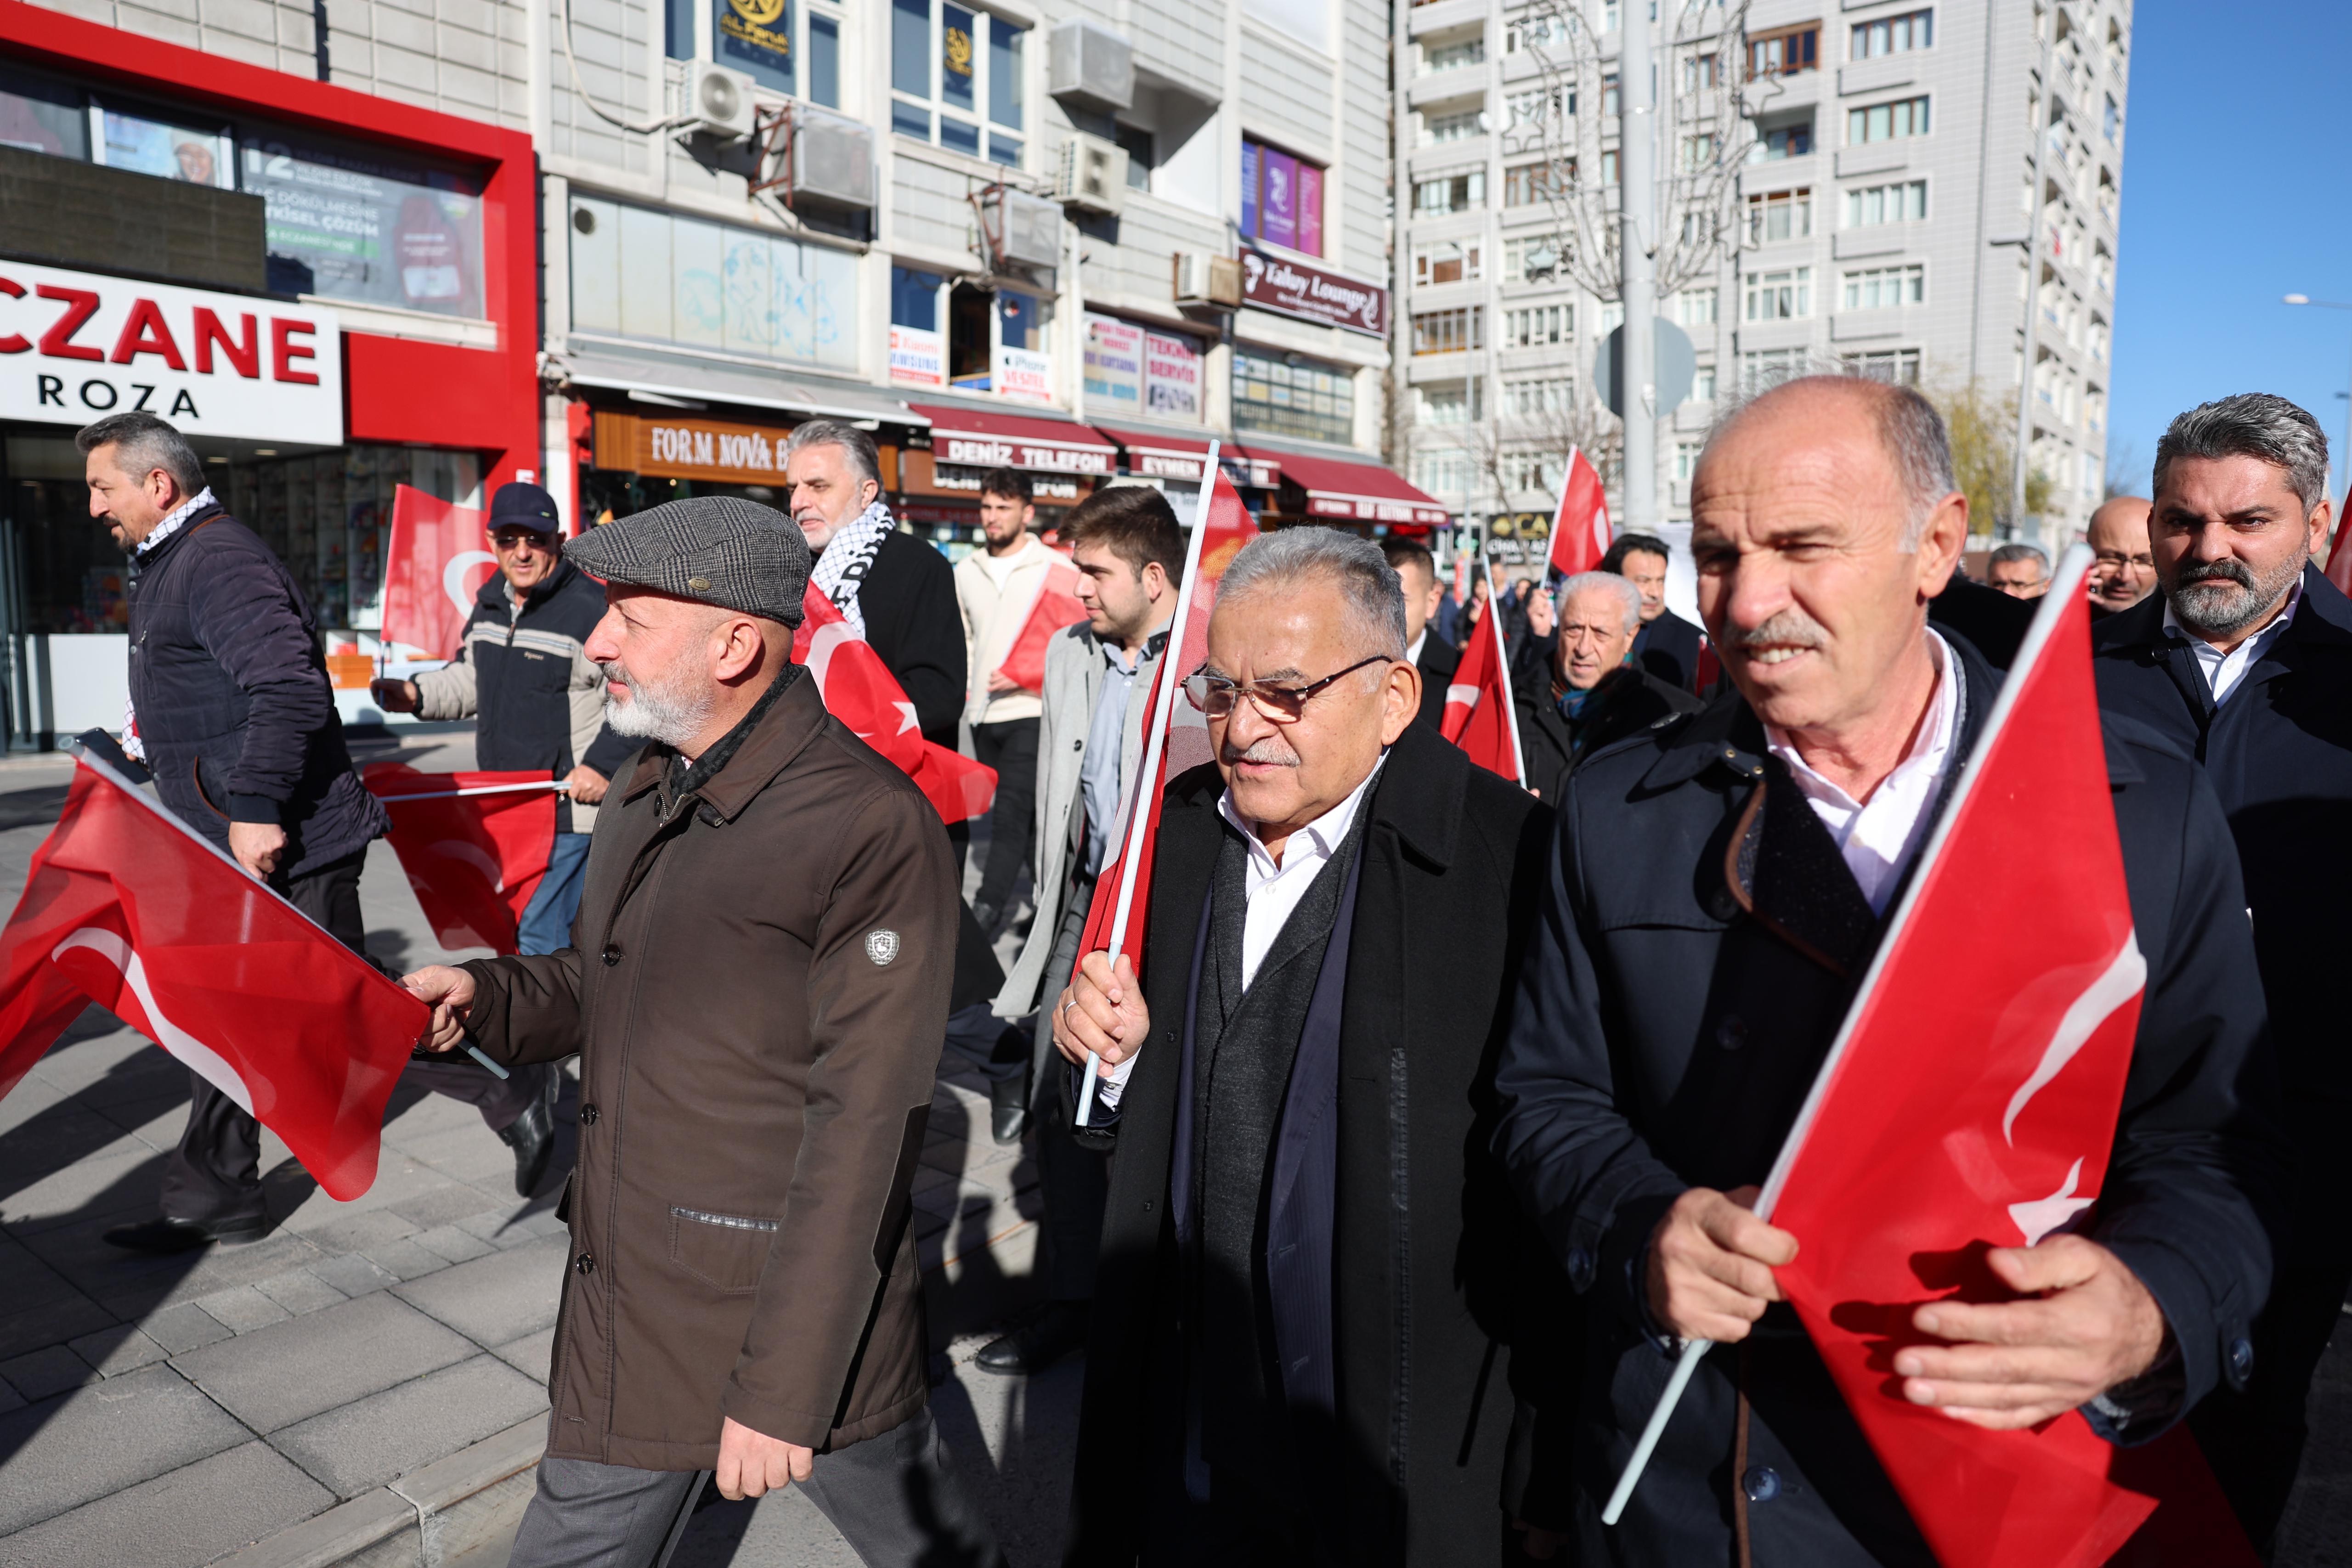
(231, 693)
(1668, 1028)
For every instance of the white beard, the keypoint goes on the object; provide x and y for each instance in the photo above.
(658, 711)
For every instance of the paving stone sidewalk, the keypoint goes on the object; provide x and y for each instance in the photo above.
(163, 1413)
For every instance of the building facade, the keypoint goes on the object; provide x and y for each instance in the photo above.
(623, 247)
(1879, 223)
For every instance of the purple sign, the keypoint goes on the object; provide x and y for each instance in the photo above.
(1310, 209)
(1280, 202)
(1250, 161)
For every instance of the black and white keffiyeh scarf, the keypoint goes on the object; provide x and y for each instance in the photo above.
(841, 570)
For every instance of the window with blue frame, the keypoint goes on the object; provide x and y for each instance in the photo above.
(755, 37)
(824, 60)
(677, 29)
(956, 79)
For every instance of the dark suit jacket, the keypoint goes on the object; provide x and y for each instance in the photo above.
(1628, 701)
(2279, 753)
(908, 600)
(1432, 1256)
(1668, 648)
(1439, 660)
(1669, 1027)
(1993, 623)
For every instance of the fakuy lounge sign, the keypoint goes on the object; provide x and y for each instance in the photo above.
(1312, 293)
(77, 346)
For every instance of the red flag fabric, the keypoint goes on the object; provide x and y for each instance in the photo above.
(1223, 527)
(2340, 557)
(860, 691)
(1949, 1120)
(1055, 606)
(126, 907)
(474, 846)
(1480, 718)
(438, 562)
(1580, 529)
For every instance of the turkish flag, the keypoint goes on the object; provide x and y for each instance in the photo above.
(1949, 1119)
(1480, 718)
(474, 846)
(1221, 526)
(860, 691)
(126, 907)
(1580, 529)
(2340, 557)
(437, 565)
(1055, 606)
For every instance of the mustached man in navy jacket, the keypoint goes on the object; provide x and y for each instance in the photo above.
(232, 711)
(2243, 659)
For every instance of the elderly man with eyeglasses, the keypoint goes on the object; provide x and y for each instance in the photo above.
(1312, 1277)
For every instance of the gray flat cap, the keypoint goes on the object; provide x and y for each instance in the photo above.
(718, 549)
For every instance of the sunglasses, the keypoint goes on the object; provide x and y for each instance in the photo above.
(1217, 695)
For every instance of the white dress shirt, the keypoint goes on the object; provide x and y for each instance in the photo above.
(1413, 649)
(2224, 671)
(1879, 838)
(1270, 891)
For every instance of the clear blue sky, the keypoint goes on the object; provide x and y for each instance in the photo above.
(2237, 189)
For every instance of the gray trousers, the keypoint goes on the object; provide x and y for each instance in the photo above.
(894, 1499)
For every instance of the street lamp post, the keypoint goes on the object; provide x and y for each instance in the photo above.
(2344, 458)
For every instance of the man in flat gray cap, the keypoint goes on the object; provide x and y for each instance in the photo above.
(757, 988)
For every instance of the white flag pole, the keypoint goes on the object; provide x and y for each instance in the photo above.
(1155, 746)
(558, 785)
(2065, 588)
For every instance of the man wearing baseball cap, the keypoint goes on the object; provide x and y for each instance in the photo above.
(757, 994)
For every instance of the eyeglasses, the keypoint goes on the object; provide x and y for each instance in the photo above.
(510, 538)
(1217, 695)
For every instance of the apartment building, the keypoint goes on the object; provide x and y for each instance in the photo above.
(1880, 221)
(623, 246)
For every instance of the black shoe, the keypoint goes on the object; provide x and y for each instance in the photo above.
(1008, 1110)
(1037, 1345)
(168, 1233)
(531, 1136)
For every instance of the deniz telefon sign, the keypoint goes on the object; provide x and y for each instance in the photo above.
(1295, 288)
(76, 346)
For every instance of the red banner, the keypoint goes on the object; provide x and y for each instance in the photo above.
(438, 562)
(124, 907)
(1056, 606)
(1479, 715)
(860, 691)
(474, 846)
(1579, 529)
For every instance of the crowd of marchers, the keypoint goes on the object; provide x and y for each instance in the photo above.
(1431, 1120)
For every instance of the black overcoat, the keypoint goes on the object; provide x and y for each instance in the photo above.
(1431, 1255)
(1670, 1021)
(1668, 648)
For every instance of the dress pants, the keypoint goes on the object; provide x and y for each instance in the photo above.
(895, 1499)
(1073, 1180)
(1011, 748)
(215, 1175)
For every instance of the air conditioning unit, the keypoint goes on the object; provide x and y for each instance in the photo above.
(1092, 175)
(721, 102)
(1214, 280)
(1021, 230)
(833, 159)
(1090, 64)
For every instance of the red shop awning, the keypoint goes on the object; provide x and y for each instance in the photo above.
(1363, 492)
(985, 439)
(1161, 455)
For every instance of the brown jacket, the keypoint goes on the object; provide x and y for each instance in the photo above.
(758, 993)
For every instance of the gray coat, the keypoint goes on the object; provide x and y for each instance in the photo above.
(1074, 675)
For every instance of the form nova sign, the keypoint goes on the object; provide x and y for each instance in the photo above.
(76, 346)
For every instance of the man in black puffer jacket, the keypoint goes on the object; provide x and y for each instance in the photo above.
(232, 712)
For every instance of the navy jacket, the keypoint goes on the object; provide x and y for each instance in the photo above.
(231, 694)
(1668, 648)
(908, 600)
(1668, 1028)
(1432, 1263)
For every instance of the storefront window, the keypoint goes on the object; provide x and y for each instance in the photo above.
(1280, 398)
(348, 222)
(199, 155)
(1130, 369)
(637, 273)
(42, 116)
